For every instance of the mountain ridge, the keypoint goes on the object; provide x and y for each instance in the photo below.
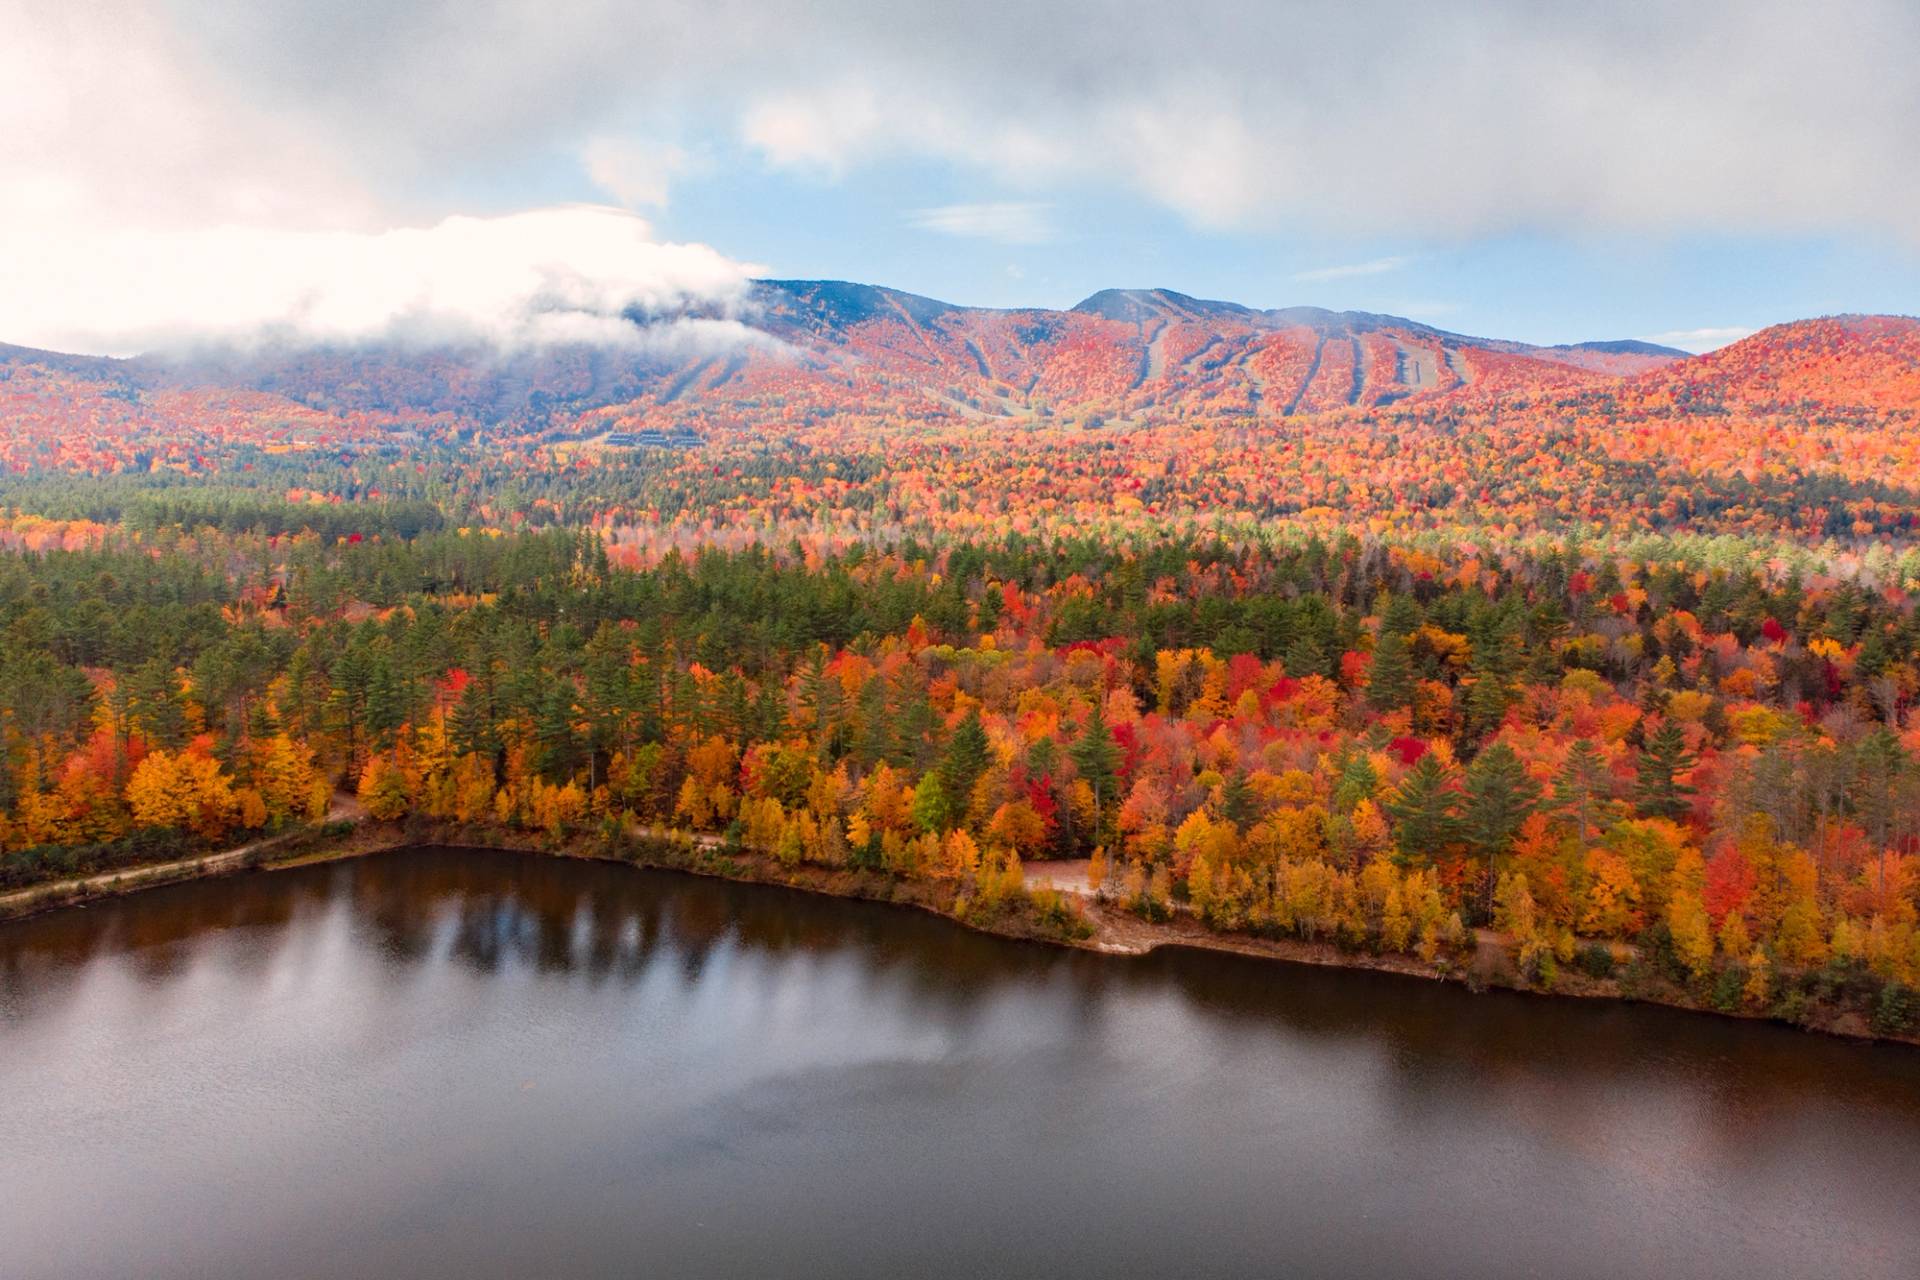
(840, 351)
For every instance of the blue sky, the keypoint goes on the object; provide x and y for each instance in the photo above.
(181, 169)
(1052, 245)
(1538, 286)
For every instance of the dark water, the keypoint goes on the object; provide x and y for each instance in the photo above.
(450, 1063)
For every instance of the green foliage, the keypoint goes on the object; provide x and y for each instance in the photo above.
(1660, 793)
(1424, 811)
(1500, 796)
(1596, 960)
(1897, 1011)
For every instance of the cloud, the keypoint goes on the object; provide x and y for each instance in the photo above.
(1371, 117)
(1007, 222)
(550, 276)
(1698, 340)
(1349, 271)
(161, 123)
(113, 116)
(637, 175)
(823, 128)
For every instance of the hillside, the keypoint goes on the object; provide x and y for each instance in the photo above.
(1135, 355)
(1837, 362)
(861, 348)
(854, 355)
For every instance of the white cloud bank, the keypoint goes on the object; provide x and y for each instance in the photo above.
(549, 276)
(637, 175)
(154, 195)
(1367, 116)
(139, 132)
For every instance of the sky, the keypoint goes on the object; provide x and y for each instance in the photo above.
(526, 171)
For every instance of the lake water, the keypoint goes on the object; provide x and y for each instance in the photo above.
(457, 1063)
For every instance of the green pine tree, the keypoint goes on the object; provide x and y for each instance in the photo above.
(1390, 681)
(1400, 616)
(1097, 758)
(1660, 793)
(386, 708)
(1423, 811)
(965, 759)
(1501, 795)
(1304, 656)
(1583, 787)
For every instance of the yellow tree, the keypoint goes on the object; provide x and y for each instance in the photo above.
(383, 788)
(1692, 932)
(1017, 826)
(186, 791)
(290, 787)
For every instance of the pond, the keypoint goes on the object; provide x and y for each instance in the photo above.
(442, 1062)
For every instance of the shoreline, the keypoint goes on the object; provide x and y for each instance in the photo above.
(1114, 931)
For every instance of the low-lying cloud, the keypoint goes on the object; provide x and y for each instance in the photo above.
(140, 132)
(565, 275)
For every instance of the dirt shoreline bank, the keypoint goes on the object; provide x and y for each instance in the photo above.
(1115, 931)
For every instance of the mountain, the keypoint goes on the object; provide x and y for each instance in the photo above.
(1847, 363)
(1122, 354)
(806, 352)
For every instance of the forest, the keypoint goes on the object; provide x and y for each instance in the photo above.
(1695, 765)
(1605, 660)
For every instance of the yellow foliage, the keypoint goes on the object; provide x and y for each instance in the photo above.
(186, 791)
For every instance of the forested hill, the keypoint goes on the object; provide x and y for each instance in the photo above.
(835, 347)
(1805, 426)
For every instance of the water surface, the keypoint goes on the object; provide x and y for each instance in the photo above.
(461, 1064)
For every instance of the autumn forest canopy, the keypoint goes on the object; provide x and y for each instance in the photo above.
(1312, 625)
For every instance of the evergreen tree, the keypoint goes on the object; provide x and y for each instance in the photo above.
(733, 711)
(692, 717)
(1400, 617)
(1659, 793)
(472, 727)
(346, 705)
(1546, 629)
(554, 730)
(386, 709)
(770, 711)
(1501, 794)
(1423, 811)
(1304, 656)
(876, 741)
(1358, 781)
(821, 700)
(1097, 756)
(524, 676)
(159, 709)
(1390, 681)
(1236, 800)
(1495, 658)
(965, 759)
(915, 727)
(1880, 769)
(1583, 787)
(607, 690)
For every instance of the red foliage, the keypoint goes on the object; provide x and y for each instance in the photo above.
(1730, 883)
